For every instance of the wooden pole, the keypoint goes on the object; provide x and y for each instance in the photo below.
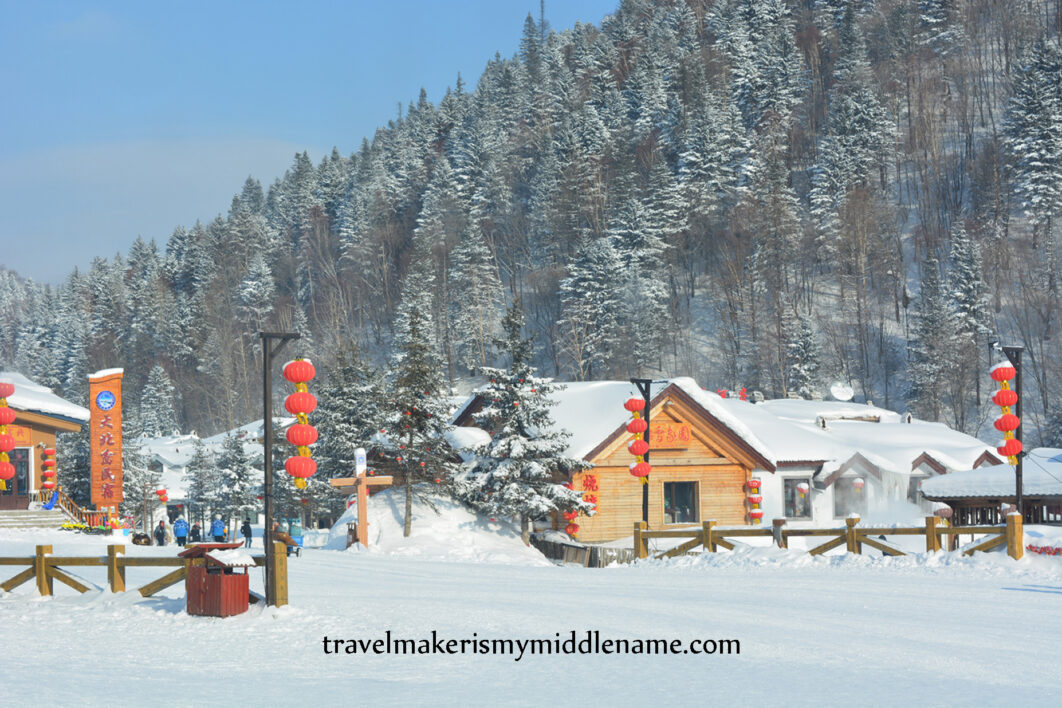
(115, 572)
(40, 569)
(778, 526)
(641, 549)
(708, 529)
(932, 537)
(279, 566)
(1015, 535)
(851, 538)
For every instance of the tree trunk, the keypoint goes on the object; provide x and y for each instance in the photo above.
(525, 529)
(408, 527)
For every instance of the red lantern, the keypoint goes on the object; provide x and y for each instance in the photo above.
(6, 389)
(571, 529)
(858, 483)
(1006, 422)
(49, 484)
(300, 402)
(299, 371)
(641, 469)
(634, 404)
(753, 484)
(756, 514)
(571, 515)
(7, 471)
(48, 473)
(803, 488)
(755, 499)
(7, 415)
(1005, 398)
(1003, 371)
(7, 443)
(49, 463)
(1009, 448)
(301, 435)
(302, 467)
(164, 499)
(160, 492)
(638, 447)
(638, 425)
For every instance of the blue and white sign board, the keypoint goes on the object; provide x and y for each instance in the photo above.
(359, 461)
(105, 400)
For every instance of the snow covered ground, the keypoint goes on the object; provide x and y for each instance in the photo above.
(925, 629)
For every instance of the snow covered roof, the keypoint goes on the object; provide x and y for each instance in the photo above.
(466, 439)
(31, 397)
(1041, 476)
(232, 558)
(781, 432)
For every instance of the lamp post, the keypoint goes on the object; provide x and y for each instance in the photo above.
(269, 350)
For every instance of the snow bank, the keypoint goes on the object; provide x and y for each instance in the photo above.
(449, 531)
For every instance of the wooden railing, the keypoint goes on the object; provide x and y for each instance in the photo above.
(852, 537)
(44, 567)
(71, 508)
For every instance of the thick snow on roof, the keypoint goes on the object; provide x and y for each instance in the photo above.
(465, 439)
(1041, 476)
(810, 411)
(31, 397)
(232, 557)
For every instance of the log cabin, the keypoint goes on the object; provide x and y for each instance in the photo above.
(814, 462)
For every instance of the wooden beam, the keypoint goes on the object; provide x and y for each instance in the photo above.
(12, 583)
(987, 545)
(165, 581)
(40, 570)
(681, 548)
(115, 571)
(829, 545)
(279, 568)
(932, 537)
(67, 580)
(148, 562)
(1015, 536)
(641, 546)
(16, 561)
(883, 547)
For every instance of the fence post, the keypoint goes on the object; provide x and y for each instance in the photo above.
(779, 537)
(932, 537)
(851, 538)
(1015, 535)
(708, 529)
(40, 568)
(278, 569)
(641, 549)
(115, 572)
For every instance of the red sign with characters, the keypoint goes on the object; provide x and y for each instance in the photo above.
(667, 435)
(105, 433)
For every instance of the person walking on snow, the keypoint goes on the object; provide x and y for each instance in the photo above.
(160, 533)
(246, 531)
(195, 535)
(180, 530)
(217, 528)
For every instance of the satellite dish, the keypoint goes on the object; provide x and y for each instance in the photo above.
(841, 391)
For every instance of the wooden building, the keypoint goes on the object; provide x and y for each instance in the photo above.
(815, 461)
(39, 416)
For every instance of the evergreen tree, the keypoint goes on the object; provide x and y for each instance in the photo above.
(803, 359)
(521, 471)
(591, 308)
(202, 483)
(74, 465)
(140, 479)
(932, 349)
(349, 415)
(256, 293)
(158, 417)
(238, 482)
(475, 298)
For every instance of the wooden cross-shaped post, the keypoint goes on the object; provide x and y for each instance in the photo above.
(361, 485)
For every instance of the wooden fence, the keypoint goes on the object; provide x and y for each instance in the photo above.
(71, 507)
(45, 568)
(852, 537)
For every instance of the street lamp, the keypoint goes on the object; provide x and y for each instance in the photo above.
(269, 350)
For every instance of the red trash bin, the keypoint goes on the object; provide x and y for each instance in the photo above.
(213, 586)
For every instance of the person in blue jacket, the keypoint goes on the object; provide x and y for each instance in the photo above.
(217, 528)
(180, 530)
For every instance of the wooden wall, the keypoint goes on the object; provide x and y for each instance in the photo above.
(706, 459)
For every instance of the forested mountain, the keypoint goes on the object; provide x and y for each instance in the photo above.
(763, 193)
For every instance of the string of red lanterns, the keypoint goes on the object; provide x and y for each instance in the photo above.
(162, 495)
(1007, 422)
(755, 499)
(638, 446)
(7, 442)
(50, 470)
(302, 434)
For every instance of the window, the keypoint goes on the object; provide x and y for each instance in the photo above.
(797, 504)
(680, 502)
(914, 485)
(849, 497)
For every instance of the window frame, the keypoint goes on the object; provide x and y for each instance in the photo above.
(695, 498)
(785, 502)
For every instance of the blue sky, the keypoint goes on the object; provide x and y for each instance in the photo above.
(129, 118)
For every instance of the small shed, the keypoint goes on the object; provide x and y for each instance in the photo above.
(213, 587)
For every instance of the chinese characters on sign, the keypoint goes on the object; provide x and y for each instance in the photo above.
(668, 435)
(105, 396)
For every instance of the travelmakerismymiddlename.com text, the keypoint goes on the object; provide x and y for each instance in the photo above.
(588, 642)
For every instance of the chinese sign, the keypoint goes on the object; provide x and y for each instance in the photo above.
(23, 436)
(105, 432)
(668, 435)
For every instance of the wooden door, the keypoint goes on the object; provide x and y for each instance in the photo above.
(16, 496)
